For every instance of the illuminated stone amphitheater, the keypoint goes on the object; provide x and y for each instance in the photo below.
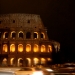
(24, 40)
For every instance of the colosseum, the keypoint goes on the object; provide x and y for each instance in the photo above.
(24, 40)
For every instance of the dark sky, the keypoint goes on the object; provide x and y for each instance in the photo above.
(57, 16)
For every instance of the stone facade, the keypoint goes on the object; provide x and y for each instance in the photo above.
(24, 40)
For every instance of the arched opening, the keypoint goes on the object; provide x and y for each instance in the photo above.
(35, 48)
(43, 49)
(12, 62)
(42, 35)
(35, 35)
(28, 35)
(35, 61)
(5, 48)
(28, 48)
(20, 34)
(43, 60)
(20, 48)
(13, 34)
(49, 61)
(5, 35)
(49, 48)
(12, 48)
(29, 61)
(20, 62)
(4, 62)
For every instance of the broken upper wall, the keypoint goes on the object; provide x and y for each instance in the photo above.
(21, 20)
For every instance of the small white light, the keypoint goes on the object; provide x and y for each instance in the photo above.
(50, 70)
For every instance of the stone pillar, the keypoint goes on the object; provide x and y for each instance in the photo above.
(24, 35)
(8, 62)
(32, 63)
(17, 34)
(16, 62)
(32, 35)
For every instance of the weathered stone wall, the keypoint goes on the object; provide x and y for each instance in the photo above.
(21, 20)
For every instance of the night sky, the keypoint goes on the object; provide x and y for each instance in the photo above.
(57, 16)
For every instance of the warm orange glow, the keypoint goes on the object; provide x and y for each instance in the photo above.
(11, 61)
(43, 61)
(12, 48)
(20, 48)
(43, 48)
(36, 60)
(28, 48)
(4, 59)
(48, 59)
(4, 62)
(5, 48)
(19, 61)
(49, 48)
(35, 48)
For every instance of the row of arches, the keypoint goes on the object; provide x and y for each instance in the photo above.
(26, 62)
(27, 48)
(21, 34)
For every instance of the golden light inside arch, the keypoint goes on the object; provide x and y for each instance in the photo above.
(19, 61)
(43, 60)
(49, 59)
(28, 48)
(36, 60)
(11, 61)
(5, 48)
(49, 48)
(35, 48)
(29, 61)
(12, 48)
(4, 59)
(20, 48)
(43, 49)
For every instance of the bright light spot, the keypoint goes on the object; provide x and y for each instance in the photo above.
(50, 70)
(38, 73)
